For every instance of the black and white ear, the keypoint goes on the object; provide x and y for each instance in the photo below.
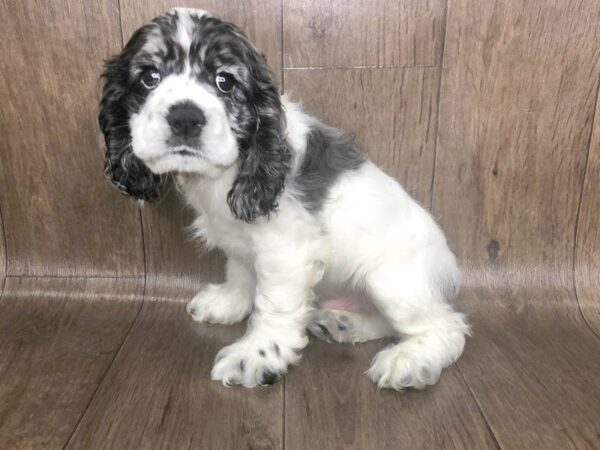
(125, 170)
(265, 157)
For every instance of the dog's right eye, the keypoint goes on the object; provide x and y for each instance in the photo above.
(151, 78)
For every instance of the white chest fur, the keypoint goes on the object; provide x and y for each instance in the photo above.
(214, 222)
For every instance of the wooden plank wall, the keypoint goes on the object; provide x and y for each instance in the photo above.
(486, 111)
(518, 96)
(517, 102)
(518, 92)
(51, 151)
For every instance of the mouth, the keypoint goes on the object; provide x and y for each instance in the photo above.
(181, 153)
(187, 151)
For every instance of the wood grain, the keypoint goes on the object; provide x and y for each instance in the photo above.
(535, 379)
(2, 256)
(84, 365)
(61, 217)
(177, 265)
(587, 251)
(516, 105)
(158, 393)
(57, 339)
(392, 113)
(338, 33)
(331, 404)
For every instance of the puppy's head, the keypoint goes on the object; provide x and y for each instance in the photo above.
(189, 93)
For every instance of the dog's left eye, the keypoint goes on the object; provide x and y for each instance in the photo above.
(225, 82)
(151, 78)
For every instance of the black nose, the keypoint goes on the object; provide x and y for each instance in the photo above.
(186, 119)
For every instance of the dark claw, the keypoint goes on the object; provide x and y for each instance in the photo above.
(276, 349)
(242, 366)
(342, 327)
(325, 331)
(261, 352)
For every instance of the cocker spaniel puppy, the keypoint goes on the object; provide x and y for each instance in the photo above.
(317, 238)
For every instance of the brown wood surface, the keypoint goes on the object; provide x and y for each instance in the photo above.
(332, 404)
(158, 393)
(536, 381)
(2, 256)
(587, 256)
(57, 339)
(392, 113)
(516, 109)
(516, 104)
(337, 33)
(511, 167)
(60, 215)
(176, 264)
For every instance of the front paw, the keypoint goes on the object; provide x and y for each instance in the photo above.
(219, 303)
(251, 363)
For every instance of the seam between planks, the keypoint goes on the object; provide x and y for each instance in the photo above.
(405, 66)
(95, 393)
(282, 47)
(479, 408)
(76, 277)
(121, 23)
(284, 413)
(5, 255)
(432, 197)
(581, 194)
(439, 101)
(135, 319)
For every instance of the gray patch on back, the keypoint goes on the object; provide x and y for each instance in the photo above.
(329, 153)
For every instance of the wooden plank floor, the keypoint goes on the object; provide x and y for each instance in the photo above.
(74, 371)
(58, 338)
(331, 404)
(158, 393)
(535, 376)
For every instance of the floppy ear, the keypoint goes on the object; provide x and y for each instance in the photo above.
(265, 156)
(125, 170)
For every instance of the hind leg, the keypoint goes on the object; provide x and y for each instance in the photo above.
(348, 326)
(433, 333)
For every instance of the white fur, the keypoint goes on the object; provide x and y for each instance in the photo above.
(185, 28)
(150, 130)
(348, 326)
(225, 303)
(368, 237)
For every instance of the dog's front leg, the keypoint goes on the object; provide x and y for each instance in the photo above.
(276, 331)
(225, 303)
